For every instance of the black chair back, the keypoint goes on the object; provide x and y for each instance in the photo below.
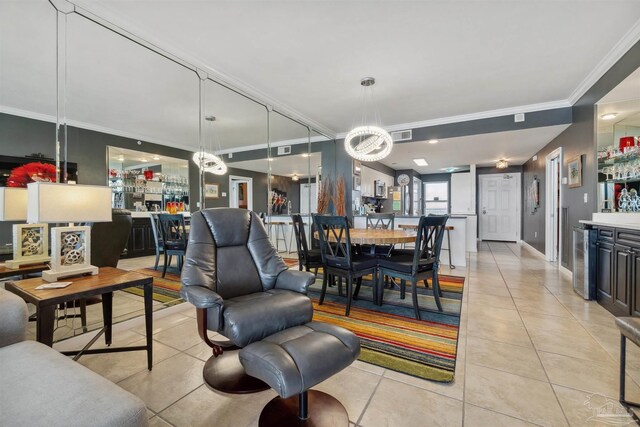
(301, 236)
(173, 231)
(155, 229)
(109, 239)
(335, 243)
(380, 221)
(429, 239)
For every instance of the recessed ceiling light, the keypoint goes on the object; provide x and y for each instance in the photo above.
(270, 159)
(121, 158)
(144, 160)
(156, 158)
(432, 141)
(608, 116)
(421, 162)
(305, 154)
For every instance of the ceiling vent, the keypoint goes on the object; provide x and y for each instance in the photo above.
(401, 135)
(284, 150)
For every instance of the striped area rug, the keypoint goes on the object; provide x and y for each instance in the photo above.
(390, 335)
(166, 291)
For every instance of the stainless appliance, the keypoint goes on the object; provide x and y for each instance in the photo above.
(380, 188)
(584, 255)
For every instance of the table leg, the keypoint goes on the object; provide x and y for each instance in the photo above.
(107, 316)
(148, 321)
(44, 324)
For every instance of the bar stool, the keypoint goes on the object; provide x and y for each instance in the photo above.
(408, 227)
(629, 329)
(448, 229)
(281, 234)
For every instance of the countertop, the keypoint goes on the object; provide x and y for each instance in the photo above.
(608, 224)
(417, 216)
(135, 214)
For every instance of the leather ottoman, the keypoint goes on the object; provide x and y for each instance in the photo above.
(296, 359)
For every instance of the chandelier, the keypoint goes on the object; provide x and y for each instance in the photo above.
(502, 164)
(207, 161)
(368, 143)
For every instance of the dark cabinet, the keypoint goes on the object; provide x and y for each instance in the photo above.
(622, 280)
(604, 271)
(618, 270)
(141, 242)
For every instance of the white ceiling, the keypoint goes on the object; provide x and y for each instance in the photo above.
(432, 60)
(484, 150)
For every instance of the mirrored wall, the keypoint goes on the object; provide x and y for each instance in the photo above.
(132, 116)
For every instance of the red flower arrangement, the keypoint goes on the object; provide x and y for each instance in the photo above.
(31, 172)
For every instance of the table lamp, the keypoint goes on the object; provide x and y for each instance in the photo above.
(50, 202)
(30, 241)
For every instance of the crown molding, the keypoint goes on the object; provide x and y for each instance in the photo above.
(631, 37)
(474, 116)
(123, 26)
(96, 128)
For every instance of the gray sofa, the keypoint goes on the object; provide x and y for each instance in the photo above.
(41, 387)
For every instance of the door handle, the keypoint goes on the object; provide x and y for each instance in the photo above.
(484, 212)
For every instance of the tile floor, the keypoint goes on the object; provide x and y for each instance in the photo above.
(530, 352)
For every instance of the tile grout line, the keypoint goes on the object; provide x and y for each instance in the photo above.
(534, 347)
(366, 406)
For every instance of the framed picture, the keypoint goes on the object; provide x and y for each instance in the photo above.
(69, 247)
(212, 191)
(30, 241)
(574, 174)
(357, 167)
(356, 183)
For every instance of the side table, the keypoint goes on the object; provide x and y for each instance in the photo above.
(103, 284)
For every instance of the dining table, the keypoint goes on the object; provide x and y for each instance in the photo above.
(376, 236)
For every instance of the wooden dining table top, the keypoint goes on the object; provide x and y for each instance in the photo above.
(374, 236)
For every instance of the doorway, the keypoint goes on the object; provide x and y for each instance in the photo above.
(241, 192)
(500, 199)
(553, 188)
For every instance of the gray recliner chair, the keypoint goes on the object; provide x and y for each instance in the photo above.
(241, 289)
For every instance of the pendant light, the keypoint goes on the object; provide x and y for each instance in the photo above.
(502, 164)
(369, 142)
(207, 161)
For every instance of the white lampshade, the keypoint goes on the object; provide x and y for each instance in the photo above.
(13, 204)
(50, 202)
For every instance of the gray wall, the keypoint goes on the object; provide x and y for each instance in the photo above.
(577, 139)
(21, 136)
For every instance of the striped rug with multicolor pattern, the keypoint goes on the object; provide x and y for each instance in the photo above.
(390, 335)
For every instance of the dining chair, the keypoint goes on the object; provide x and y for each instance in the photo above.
(307, 258)
(379, 221)
(424, 261)
(174, 238)
(157, 238)
(338, 258)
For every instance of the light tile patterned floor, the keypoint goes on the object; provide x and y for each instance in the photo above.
(531, 352)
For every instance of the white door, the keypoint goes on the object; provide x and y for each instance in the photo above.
(499, 207)
(555, 211)
(308, 199)
(237, 194)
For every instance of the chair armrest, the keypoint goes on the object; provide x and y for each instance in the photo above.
(201, 297)
(13, 318)
(296, 281)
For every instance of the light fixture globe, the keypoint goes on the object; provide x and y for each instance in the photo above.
(502, 164)
(368, 143)
(209, 163)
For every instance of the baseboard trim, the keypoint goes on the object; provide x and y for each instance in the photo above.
(532, 250)
(564, 270)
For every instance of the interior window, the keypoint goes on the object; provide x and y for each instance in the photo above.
(436, 196)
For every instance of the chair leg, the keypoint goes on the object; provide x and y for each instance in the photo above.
(340, 287)
(324, 287)
(403, 288)
(358, 283)
(426, 283)
(157, 259)
(164, 268)
(316, 271)
(436, 289)
(414, 294)
(349, 296)
(451, 266)
(623, 361)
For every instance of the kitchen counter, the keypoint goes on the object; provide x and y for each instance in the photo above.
(135, 214)
(417, 216)
(629, 226)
